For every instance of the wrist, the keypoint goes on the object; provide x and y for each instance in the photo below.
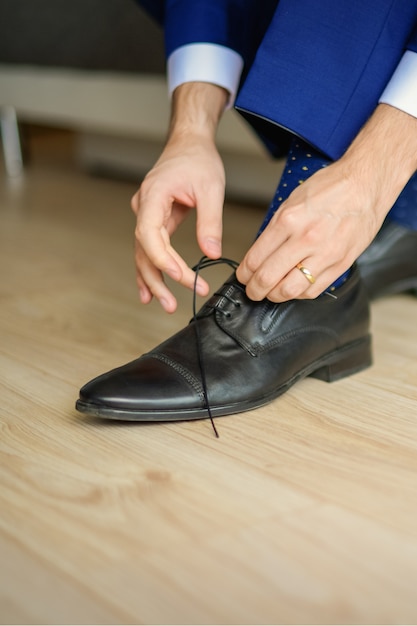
(384, 153)
(196, 109)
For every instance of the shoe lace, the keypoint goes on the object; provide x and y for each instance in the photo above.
(203, 263)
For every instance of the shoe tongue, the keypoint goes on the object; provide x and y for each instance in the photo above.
(247, 322)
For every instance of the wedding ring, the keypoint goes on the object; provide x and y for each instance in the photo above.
(306, 273)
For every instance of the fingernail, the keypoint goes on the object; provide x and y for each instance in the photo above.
(213, 246)
(144, 295)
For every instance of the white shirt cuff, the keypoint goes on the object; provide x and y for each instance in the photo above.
(206, 63)
(401, 91)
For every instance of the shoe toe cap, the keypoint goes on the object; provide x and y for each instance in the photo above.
(145, 385)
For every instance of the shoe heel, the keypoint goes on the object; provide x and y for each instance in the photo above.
(349, 360)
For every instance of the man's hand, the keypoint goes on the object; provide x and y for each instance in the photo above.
(329, 220)
(188, 175)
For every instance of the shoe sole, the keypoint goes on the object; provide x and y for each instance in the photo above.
(349, 359)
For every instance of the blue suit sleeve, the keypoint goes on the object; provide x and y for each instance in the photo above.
(236, 24)
(412, 43)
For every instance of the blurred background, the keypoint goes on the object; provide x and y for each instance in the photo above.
(96, 68)
(303, 512)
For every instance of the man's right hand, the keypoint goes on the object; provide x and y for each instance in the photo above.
(189, 174)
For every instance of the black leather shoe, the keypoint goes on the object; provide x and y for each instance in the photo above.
(389, 264)
(251, 353)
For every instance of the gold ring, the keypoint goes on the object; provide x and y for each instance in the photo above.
(306, 273)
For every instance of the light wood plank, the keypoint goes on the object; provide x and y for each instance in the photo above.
(302, 512)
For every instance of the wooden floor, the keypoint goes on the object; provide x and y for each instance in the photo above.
(304, 511)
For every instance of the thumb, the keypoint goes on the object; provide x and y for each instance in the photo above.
(210, 222)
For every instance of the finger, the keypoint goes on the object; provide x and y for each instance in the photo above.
(210, 221)
(151, 283)
(145, 293)
(272, 271)
(271, 238)
(154, 240)
(188, 276)
(296, 286)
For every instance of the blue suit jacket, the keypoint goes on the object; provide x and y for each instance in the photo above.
(314, 67)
